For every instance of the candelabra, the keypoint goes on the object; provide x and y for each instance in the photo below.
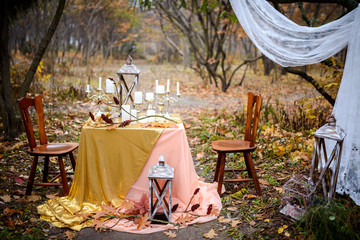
(99, 97)
(164, 101)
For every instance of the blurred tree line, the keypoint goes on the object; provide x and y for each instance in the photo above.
(202, 34)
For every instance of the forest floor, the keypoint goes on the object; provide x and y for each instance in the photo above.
(285, 145)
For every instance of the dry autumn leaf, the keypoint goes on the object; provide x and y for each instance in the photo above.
(70, 234)
(143, 222)
(183, 219)
(235, 222)
(250, 196)
(6, 198)
(252, 223)
(33, 198)
(211, 234)
(232, 209)
(224, 220)
(170, 234)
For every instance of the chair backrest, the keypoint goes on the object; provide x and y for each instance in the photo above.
(24, 104)
(252, 117)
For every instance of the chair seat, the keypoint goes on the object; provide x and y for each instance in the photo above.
(53, 149)
(232, 146)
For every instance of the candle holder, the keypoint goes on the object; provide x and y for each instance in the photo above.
(161, 96)
(168, 99)
(137, 107)
(149, 102)
(99, 97)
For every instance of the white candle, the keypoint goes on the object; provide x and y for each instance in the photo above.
(110, 87)
(156, 84)
(100, 84)
(150, 113)
(125, 112)
(168, 86)
(87, 88)
(133, 115)
(149, 96)
(138, 97)
(177, 88)
(160, 89)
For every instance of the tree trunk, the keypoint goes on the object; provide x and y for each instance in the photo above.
(42, 48)
(268, 65)
(6, 100)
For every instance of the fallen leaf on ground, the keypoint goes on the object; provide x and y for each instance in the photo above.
(6, 198)
(211, 234)
(232, 209)
(280, 230)
(252, 223)
(33, 198)
(70, 234)
(287, 234)
(267, 220)
(170, 234)
(51, 196)
(250, 196)
(183, 219)
(263, 182)
(143, 222)
(235, 222)
(224, 220)
(200, 155)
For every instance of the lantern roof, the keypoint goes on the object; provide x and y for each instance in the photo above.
(331, 131)
(161, 170)
(128, 67)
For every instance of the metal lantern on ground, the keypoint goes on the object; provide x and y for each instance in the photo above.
(157, 172)
(127, 69)
(328, 174)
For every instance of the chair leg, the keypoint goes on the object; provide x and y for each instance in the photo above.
(216, 175)
(63, 176)
(222, 157)
(247, 165)
(32, 176)
(248, 159)
(73, 163)
(46, 169)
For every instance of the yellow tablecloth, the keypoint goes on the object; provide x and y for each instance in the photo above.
(108, 164)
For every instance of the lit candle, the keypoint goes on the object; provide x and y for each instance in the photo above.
(87, 88)
(125, 112)
(156, 84)
(168, 86)
(100, 84)
(149, 96)
(160, 89)
(138, 97)
(110, 88)
(177, 88)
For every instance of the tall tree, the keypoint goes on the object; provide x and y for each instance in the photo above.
(9, 10)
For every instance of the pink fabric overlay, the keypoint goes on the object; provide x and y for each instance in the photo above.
(174, 145)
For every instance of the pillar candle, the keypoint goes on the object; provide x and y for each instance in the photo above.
(156, 84)
(134, 115)
(100, 83)
(125, 115)
(168, 86)
(150, 113)
(177, 88)
(149, 96)
(87, 88)
(110, 87)
(138, 97)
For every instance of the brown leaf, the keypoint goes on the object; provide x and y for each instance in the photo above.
(127, 204)
(33, 198)
(51, 196)
(235, 222)
(250, 196)
(252, 223)
(143, 221)
(183, 219)
(222, 219)
(70, 234)
(211, 234)
(263, 182)
(9, 211)
(200, 155)
(98, 224)
(6, 198)
(170, 234)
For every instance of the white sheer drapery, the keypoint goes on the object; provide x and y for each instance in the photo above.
(289, 44)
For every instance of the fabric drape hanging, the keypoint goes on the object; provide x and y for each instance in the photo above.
(289, 44)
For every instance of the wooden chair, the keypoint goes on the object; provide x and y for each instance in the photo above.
(246, 146)
(45, 149)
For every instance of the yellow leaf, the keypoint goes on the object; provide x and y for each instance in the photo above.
(285, 226)
(211, 234)
(280, 230)
(287, 234)
(267, 220)
(170, 234)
